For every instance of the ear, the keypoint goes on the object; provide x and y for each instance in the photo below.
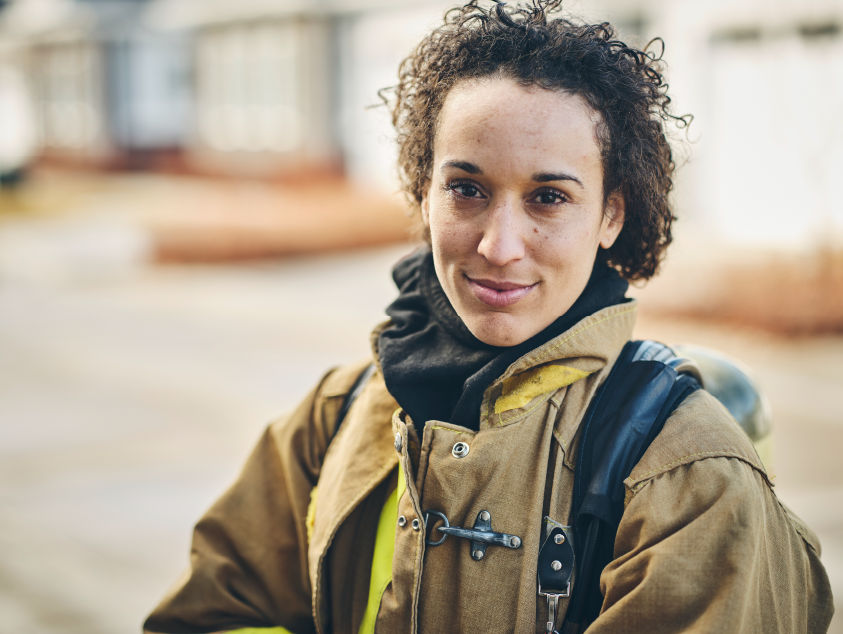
(613, 217)
(425, 212)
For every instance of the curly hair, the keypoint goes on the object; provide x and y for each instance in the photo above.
(624, 85)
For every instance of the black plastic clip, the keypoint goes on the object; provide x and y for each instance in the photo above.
(556, 567)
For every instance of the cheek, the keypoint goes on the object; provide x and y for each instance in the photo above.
(449, 234)
(571, 242)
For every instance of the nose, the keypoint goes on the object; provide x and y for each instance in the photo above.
(502, 241)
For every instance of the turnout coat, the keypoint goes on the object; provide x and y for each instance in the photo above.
(704, 544)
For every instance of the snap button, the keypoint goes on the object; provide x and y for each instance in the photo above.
(416, 524)
(399, 443)
(460, 450)
(402, 521)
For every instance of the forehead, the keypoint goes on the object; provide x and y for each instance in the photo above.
(496, 119)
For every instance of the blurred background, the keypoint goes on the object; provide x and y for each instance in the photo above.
(199, 211)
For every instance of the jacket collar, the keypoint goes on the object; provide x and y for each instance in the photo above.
(588, 349)
(589, 345)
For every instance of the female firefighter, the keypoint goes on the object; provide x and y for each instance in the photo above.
(533, 148)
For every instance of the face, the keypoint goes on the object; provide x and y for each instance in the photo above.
(515, 208)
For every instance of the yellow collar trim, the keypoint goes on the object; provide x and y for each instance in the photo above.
(519, 390)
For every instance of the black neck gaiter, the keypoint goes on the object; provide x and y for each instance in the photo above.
(432, 364)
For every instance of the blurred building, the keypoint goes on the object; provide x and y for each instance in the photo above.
(105, 90)
(281, 89)
(764, 81)
(246, 88)
(262, 85)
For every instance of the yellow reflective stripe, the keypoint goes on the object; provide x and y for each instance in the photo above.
(402, 485)
(382, 558)
(519, 390)
(310, 518)
(764, 447)
(260, 630)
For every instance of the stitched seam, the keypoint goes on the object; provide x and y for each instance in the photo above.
(797, 526)
(582, 329)
(556, 346)
(679, 462)
(341, 392)
(646, 477)
(417, 571)
(547, 390)
(418, 559)
(591, 325)
(515, 416)
(458, 431)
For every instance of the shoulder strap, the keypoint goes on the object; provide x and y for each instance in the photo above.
(625, 415)
(353, 393)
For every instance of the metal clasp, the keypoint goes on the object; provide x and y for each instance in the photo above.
(552, 606)
(480, 535)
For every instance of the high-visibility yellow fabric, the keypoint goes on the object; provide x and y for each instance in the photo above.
(382, 558)
(764, 447)
(311, 514)
(519, 390)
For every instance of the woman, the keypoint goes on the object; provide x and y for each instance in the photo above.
(534, 149)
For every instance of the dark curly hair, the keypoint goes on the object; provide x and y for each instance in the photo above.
(624, 85)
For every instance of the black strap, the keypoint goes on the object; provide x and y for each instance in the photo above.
(626, 414)
(556, 563)
(353, 393)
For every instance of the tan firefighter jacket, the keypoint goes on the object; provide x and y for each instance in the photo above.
(704, 544)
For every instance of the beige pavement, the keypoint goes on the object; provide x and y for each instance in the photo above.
(193, 219)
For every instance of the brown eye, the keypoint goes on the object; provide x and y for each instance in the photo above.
(550, 197)
(466, 190)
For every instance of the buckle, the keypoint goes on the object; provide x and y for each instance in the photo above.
(480, 535)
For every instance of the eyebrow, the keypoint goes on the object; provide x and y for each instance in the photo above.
(540, 177)
(546, 177)
(465, 166)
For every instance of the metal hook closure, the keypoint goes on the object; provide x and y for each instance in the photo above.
(480, 535)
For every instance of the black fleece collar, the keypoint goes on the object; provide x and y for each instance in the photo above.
(432, 364)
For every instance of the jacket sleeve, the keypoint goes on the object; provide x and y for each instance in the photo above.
(248, 560)
(706, 546)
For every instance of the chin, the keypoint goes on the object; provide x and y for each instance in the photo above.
(498, 331)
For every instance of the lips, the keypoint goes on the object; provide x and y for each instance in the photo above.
(498, 293)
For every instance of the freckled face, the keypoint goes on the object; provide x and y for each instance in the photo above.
(515, 205)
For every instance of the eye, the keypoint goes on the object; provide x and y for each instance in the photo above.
(549, 197)
(464, 189)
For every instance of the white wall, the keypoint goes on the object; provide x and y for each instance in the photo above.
(372, 45)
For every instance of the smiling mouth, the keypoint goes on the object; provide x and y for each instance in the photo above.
(498, 294)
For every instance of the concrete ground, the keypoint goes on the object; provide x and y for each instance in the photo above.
(130, 395)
